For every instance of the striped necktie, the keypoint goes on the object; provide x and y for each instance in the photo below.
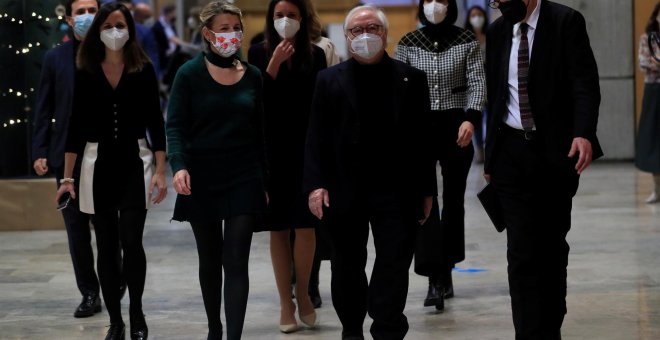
(526, 117)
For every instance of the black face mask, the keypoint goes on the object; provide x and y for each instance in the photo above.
(513, 11)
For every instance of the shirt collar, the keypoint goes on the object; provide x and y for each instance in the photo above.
(533, 20)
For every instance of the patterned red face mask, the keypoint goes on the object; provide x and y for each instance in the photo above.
(228, 43)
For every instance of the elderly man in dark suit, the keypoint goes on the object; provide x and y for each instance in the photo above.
(367, 162)
(54, 101)
(543, 97)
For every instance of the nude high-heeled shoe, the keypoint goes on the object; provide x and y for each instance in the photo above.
(309, 320)
(290, 328)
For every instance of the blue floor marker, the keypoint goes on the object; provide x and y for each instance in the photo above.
(469, 270)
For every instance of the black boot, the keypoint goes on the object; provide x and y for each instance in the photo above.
(449, 287)
(139, 330)
(116, 332)
(435, 297)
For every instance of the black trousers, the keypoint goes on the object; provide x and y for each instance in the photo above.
(537, 200)
(116, 231)
(80, 238)
(455, 165)
(384, 297)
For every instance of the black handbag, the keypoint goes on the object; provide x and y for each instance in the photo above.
(429, 257)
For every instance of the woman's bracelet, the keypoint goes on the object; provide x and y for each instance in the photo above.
(67, 180)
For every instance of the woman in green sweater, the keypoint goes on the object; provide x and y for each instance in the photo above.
(216, 150)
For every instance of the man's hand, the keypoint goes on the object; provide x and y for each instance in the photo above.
(465, 132)
(317, 199)
(40, 166)
(582, 146)
(427, 205)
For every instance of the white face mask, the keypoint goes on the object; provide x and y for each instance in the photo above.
(150, 22)
(286, 27)
(367, 45)
(114, 38)
(227, 43)
(477, 21)
(435, 12)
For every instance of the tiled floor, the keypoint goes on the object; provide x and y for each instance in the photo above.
(614, 277)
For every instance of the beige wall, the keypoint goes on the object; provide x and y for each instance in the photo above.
(643, 9)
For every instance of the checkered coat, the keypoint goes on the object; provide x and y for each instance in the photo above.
(453, 63)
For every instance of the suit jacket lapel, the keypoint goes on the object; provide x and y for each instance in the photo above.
(507, 36)
(538, 50)
(68, 66)
(400, 88)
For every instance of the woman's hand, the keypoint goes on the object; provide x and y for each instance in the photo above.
(158, 182)
(283, 52)
(64, 188)
(181, 182)
(465, 132)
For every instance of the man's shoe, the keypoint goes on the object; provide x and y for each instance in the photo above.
(116, 332)
(434, 294)
(90, 305)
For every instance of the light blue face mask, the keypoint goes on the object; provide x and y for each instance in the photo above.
(81, 23)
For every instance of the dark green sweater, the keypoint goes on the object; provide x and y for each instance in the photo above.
(208, 121)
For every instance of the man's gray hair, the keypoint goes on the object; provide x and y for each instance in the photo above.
(379, 13)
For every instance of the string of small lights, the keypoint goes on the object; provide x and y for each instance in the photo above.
(34, 16)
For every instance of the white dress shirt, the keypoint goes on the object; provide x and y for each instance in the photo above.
(512, 119)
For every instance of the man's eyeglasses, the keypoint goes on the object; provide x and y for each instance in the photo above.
(371, 29)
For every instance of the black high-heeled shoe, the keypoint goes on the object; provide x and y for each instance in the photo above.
(117, 331)
(139, 330)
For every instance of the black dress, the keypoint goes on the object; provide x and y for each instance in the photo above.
(215, 132)
(287, 106)
(108, 128)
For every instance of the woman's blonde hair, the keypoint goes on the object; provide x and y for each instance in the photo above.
(213, 9)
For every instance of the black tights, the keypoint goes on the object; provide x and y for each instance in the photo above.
(232, 254)
(111, 228)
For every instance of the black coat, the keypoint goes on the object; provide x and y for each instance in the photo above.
(564, 90)
(332, 157)
(54, 101)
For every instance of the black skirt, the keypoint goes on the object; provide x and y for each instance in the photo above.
(647, 157)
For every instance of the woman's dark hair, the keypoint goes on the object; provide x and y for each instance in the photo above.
(92, 50)
(303, 45)
(468, 24)
(653, 25)
(452, 13)
(68, 6)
